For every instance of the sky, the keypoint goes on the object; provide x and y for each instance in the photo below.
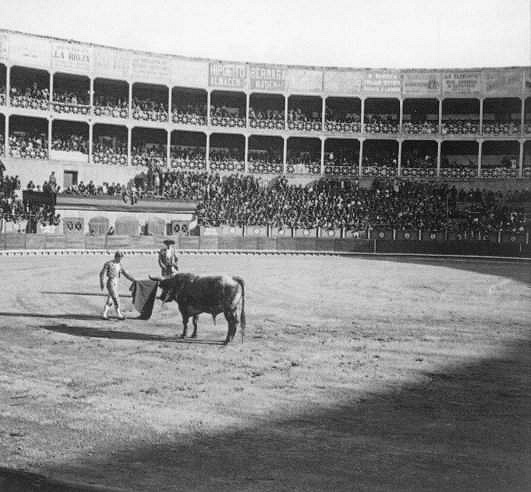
(346, 33)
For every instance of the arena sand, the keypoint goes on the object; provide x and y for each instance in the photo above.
(355, 374)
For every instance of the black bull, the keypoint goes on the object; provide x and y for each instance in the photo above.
(211, 294)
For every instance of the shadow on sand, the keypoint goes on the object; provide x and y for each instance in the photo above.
(464, 429)
(88, 331)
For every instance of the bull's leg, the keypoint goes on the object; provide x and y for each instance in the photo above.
(232, 321)
(194, 321)
(185, 325)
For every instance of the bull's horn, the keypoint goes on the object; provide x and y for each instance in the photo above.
(157, 279)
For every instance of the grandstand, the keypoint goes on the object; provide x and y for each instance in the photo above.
(137, 125)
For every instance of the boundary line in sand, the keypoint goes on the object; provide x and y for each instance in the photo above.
(272, 252)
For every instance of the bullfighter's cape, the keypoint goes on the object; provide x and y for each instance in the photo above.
(143, 293)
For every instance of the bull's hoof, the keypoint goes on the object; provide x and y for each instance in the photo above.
(226, 341)
(194, 335)
(183, 335)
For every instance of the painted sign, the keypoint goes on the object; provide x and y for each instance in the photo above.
(188, 73)
(71, 57)
(382, 82)
(111, 63)
(231, 75)
(265, 78)
(463, 82)
(301, 80)
(29, 51)
(421, 83)
(343, 82)
(150, 68)
(502, 81)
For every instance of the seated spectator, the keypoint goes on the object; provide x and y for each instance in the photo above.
(189, 114)
(501, 128)
(107, 152)
(420, 127)
(227, 160)
(29, 145)
(304, 120)
(460, 127)
(268, 118)
(265, 161)
(33, 97)
(149, 110)
(111, 106)
(227, 116)
(382, 124)
(70, 143)
(342, 121)
(187, 158)
(71, 101)
(149, 155)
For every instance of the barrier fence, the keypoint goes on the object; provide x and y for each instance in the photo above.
(475, 247)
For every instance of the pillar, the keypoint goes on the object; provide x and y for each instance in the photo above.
(440, 114)
(91, 94)
(8, 86)
(169, 104)
(6, 137)
(522, 117)
(480, 153)
(362, 116)
(286, 108)
(360, 163)
(400, 116)
(50, 134)
(323, 115)
(51, 87)
(322, 155)
(439, 148)
(399, 159)
(168, 147)
(129, 141)
(521, 159)
(247, 103)
(91, 136)
(207, 149)
(246, 137)
(130, 100)
(284, 163)
(209, 97)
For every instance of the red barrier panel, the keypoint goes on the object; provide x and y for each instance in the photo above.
(230, 231)
(15, 240)
(324, 244)
(127, 226)
(55, 241)
(156, 226)
(74, 241)
(206, 242)
(35, 241)
(95, 242)
(284, 244)
(189, 242)
(117, 242)
(265, 243)
(513, 237)
(250, 243)
(305, 244)
(98, 225)
(354, 245)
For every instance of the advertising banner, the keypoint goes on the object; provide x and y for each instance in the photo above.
(150, 68)
(461, 83)
(264, 78)
(343, 82)
(502, 81)
(188, 73)
(108, 62)
(29, 51)
(382, 82)
(229, 75)
(421, 84)
(303, 81)
(71, 57)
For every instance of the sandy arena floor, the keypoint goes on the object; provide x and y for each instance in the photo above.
(355, 374)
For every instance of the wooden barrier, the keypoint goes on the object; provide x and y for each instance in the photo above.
(208, 242)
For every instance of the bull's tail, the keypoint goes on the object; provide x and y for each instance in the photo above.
(242, 315)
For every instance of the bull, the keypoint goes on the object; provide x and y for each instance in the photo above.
(211, 294)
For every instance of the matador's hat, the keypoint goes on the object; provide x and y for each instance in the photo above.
(168, 242)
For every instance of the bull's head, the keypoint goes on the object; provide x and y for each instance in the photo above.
(170, 287)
